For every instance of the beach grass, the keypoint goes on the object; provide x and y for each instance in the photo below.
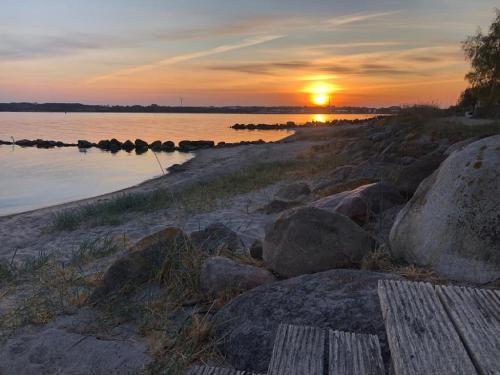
(202, 197)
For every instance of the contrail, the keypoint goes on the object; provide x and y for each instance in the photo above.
(189, 56)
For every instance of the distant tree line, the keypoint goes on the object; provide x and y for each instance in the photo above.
(153, 108)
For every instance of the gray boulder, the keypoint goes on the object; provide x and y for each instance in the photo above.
(219, 274)
(360, 203)
(343, 300)
(452, 223)
(309, 240)
(217, 237)
(143, 261)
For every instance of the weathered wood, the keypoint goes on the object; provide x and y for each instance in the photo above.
(352, 353)
(298, 350)
(422, 338)
(206, 370)
(476, 316)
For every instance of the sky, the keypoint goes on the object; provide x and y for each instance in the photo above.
(236, 52)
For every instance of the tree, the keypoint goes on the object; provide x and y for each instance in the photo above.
(483, 52)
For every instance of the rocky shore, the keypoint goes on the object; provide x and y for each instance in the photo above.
(202, 265)
(311, 124)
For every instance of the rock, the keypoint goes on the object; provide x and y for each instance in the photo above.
(408, 178)
(103, 144)
(128, 145)
(309, 240)
(115, 145)
(144, 261)
(84, 144)
(25, 143)
(140, 146)
(343, 300)
(168, 146)
(155, 146)
(187, 146)
(293, 192)
(359, 204)
(452, 223)
(219, 274)
(276, 206)
(256, 250)
(216, 238)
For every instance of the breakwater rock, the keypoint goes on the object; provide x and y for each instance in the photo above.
(312, 124)
(138, 145)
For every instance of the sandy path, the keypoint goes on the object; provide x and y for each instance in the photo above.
(25, 234)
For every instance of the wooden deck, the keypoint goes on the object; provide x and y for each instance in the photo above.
(437, 330)
(352, 353)
(431, 330)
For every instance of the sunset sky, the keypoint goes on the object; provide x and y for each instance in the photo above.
(236, 52)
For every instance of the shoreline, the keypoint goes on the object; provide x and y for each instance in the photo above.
(27, 231)
(132, 188)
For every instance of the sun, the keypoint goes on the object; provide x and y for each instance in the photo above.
(320, 93)
(320, 99)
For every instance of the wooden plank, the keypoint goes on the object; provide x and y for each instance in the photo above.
(422, 338)
(298, 350)
(206, 370)
(476, 315)
(352, 353)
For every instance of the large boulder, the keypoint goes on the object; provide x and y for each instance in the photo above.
(343, 300)
(217, 238)
(143, 261)
(452, 223)
(219, 274)
(360, 203)
(309, 240)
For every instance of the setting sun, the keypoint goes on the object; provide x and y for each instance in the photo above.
(320, 93)
(320, 99)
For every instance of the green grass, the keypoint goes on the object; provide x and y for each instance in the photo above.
(92, 249)
(202, 197)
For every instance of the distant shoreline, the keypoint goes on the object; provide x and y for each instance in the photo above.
(287, 110)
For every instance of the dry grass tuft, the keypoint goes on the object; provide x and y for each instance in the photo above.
(415, 273)
(378, 260)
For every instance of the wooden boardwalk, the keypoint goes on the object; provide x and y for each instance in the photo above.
(431, 330)
(438, 330)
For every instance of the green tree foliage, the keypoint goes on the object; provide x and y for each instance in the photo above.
(483, 52)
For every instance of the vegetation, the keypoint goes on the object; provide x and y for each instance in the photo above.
(203, 197)
(52, 287)
(483, 52)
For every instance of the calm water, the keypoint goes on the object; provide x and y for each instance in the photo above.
(32, 178)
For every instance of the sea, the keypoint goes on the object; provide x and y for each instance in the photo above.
(32, 178)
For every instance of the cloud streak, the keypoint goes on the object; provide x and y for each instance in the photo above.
(357, 18)
(188, 56)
